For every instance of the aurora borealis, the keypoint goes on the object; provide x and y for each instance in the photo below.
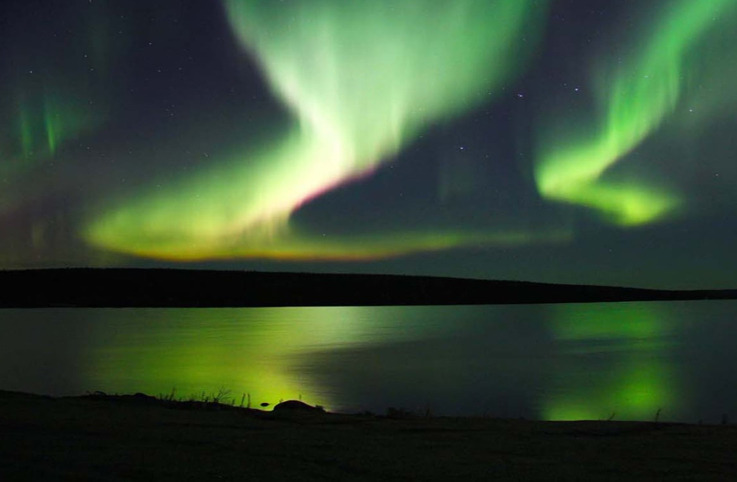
(547, 140)
(639, 95)
(328, 53)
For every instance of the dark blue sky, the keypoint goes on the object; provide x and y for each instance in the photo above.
(564, 141)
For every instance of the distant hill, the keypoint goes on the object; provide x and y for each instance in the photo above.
(90, 287)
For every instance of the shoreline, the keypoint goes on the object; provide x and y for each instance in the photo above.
(137, 437)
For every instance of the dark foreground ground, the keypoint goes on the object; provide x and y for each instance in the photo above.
(129, 438)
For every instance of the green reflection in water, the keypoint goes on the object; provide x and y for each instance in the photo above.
(613, 363)
(257, 351)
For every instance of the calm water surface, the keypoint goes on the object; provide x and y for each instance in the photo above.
(569, 361)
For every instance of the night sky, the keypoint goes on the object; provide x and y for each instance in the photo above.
(576, 141)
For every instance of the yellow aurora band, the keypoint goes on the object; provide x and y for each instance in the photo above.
(637, 98)
(361, 80)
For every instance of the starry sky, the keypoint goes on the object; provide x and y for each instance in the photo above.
(575, 141)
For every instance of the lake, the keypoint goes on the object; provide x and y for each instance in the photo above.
(642, 360)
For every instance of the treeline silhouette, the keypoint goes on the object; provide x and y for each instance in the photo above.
(123, 287)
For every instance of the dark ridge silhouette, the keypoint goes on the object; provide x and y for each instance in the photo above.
(123, 287)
